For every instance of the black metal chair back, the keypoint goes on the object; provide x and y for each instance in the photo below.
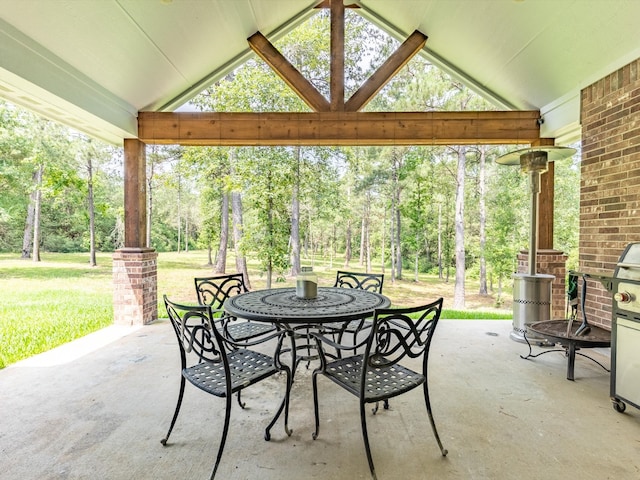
(193, 326)
(213, 291)
(217, 365)
(396, 335)
(363, 281)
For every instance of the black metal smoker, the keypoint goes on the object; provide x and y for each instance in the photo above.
(625, 330)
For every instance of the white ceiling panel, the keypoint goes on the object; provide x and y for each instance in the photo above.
(96, 63)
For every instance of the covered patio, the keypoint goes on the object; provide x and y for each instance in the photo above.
(117, 70)
(98, 407)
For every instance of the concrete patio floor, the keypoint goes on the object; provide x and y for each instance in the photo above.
(98, 407)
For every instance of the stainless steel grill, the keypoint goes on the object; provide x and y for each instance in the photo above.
(625, 330)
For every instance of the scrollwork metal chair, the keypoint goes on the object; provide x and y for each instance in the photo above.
(372, 282)
(213, 291)
(217, 365)
(363, 281)
(377, 374)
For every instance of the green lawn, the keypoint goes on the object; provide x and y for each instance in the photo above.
(45, 304)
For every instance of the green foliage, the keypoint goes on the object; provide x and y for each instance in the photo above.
(43, 305)
(268, 196)
(507, 229)
(342, 192)
(46, 304)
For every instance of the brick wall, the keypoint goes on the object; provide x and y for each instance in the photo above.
(610, 179)
(135, 297)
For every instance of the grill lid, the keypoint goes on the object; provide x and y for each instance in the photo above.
(628, 267)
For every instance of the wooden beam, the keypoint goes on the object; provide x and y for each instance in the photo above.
(339, 128)
(135, 194)
(327, 4)
(285, 70)
(546, 201)
(386, 71)
(337, 56)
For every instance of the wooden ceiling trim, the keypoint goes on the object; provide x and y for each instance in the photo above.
(290, 74)
(405, 52)
(339, 128)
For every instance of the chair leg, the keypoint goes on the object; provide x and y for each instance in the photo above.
(314, 379)
(283, 405)
(225, 430)
(433, 423)
(240, 402)
(177, 410)
(385, 405)
(363, 421)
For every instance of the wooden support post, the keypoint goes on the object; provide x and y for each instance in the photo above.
(135, 283)
(546, 205)
(135, 194)
(337, 56)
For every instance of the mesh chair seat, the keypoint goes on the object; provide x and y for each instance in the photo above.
(246, 367)
(244, 330)
(382, 382)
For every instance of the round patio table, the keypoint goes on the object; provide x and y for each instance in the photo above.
(301, 316)
(282, 306)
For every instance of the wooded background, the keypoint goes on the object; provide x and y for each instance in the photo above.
(449, 211)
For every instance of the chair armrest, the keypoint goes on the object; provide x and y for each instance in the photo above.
(321, 339)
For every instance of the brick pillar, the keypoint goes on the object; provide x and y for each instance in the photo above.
(135, 286)
(550, 262)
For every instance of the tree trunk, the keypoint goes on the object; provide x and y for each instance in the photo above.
(458, 292)
(392, 237)
(363, 234)
(384, 238)
(27, 238)
(92, 215)
(483, 222)
(347, 250)
(398, 243)
(295, 220)
(440, 241)
(186, 232)
(179, 217)
(241, 261)
(221, 260)
(209, 254)
(36, 215)
(269, 275)
(396, 216)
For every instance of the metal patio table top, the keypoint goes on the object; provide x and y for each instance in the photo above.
(283, 306)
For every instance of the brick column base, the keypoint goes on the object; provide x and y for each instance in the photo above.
(551, 262)
(135, 286)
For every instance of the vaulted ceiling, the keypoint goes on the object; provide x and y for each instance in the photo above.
(94, 64)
